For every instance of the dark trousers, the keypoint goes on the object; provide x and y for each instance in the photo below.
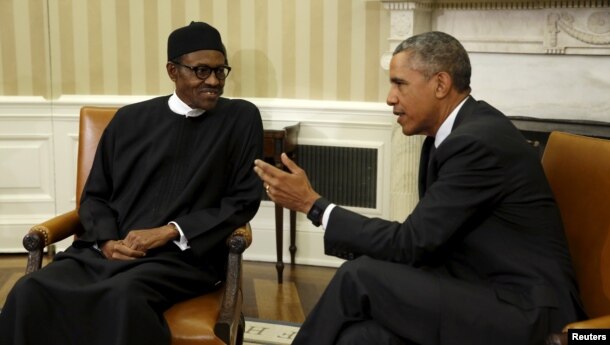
(370, 301)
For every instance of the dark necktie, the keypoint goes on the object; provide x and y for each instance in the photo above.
(431, 153)
(427, 151)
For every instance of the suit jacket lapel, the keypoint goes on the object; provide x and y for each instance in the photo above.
(427, 175)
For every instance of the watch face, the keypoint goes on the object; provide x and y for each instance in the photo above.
(314, 215)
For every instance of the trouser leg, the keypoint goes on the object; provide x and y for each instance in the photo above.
(426, 307)
(401, 298)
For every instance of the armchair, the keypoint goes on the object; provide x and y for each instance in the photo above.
(578, 170)
(213, 318)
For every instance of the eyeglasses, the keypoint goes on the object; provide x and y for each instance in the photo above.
(203, 72)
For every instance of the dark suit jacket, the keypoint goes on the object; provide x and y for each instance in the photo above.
(486, 215)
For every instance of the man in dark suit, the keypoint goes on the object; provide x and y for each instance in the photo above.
(482, 259)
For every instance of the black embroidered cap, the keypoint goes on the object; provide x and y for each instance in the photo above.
(193, 37)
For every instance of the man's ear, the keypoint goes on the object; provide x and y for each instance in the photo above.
(444, 84)
(172, 71)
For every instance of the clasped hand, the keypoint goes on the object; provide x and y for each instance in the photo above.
(138, 242)
(290, 190)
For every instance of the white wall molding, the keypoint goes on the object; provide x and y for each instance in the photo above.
(20, 107)
(494, 4)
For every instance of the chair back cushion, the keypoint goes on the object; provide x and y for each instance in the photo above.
(578, 170)
(93, 121)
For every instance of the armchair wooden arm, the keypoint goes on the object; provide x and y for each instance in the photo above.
(228, 320)
(47, 233)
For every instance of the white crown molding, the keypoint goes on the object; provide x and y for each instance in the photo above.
(491, 4)
(24, 107)
(67, 107)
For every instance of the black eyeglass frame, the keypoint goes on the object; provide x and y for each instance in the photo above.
(203, 72)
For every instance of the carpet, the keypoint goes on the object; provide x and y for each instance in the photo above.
(269, 332)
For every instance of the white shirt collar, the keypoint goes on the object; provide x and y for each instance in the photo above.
(181, 108)
(445, 128)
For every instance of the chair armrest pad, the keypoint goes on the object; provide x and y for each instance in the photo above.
(240, 239)
(598, 322)
(53, 230)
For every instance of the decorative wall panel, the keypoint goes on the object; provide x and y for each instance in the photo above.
(26, 173)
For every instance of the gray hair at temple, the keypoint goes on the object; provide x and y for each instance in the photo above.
(438, 52)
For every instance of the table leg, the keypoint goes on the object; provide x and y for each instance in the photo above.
(279, 242)
(293, 228)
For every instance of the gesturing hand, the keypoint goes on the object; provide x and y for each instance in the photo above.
(291, 190)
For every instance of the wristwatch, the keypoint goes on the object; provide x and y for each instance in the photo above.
(317, 211)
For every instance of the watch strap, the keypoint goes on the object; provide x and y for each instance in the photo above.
(317, 211)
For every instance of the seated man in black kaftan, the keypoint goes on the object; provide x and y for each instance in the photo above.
(172, 178)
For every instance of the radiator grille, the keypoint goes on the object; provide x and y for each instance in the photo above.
(344, 175)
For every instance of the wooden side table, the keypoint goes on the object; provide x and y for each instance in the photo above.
(281, 137)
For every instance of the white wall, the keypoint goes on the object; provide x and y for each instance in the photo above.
(545, 86)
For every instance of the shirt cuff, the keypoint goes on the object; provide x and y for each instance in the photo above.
(182, 242)
(326, 215)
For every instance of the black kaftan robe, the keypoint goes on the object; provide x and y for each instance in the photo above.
(152, 166)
